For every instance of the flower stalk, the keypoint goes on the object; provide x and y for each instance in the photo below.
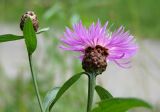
(35, 83)
(91, 87)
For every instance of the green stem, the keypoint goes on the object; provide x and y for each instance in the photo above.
(91, 87)
(35, 84)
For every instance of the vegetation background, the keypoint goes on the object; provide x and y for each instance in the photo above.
(53, 66)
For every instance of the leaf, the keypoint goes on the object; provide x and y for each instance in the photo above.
(12, 37)
(30, 36)
(103, 93)
(120, 105)
(51, 95)
(42, 30)
(9, 37)
(61, 91)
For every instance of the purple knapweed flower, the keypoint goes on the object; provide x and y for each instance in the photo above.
(97, 46)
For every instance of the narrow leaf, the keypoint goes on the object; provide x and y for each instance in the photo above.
(103, 93)
(42, 30)
(120, 105)
(30, 36)
(9, 37)
(50, 96)
(64, 88)
(12, 37)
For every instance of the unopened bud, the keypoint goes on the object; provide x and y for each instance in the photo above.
(33, 17)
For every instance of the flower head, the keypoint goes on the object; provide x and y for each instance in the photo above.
(98, 46)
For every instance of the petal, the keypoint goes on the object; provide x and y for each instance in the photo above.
(121, 46)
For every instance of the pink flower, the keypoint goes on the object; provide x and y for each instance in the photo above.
(120, 44)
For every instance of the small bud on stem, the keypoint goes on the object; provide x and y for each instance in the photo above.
(33, 17)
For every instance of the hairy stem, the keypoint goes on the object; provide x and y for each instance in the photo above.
(35, 84)
(91, 87)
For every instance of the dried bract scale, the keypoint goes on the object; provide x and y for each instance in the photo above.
(94, 59)
(33, 17)
(97, 46)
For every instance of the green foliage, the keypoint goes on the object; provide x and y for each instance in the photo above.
(110, 104)
(120, 105)
(42, 30)
(12, 37)
(9, 37)
(30, 36)
(103, 93)
(52, 97)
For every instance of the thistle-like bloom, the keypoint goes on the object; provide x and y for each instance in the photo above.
(98, 46)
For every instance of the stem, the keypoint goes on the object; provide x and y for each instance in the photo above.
(35, 84)
(91, 87)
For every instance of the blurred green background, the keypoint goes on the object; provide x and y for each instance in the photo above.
(52, 65)
(140, 16)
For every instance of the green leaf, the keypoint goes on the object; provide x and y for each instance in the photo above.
(120, 105)
(12, 37)
(42, 30)
(103, 93)
(9, 37)
(51, 95)
(30, 36)
(61, 91)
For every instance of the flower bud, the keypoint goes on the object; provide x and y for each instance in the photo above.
(33, 18)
